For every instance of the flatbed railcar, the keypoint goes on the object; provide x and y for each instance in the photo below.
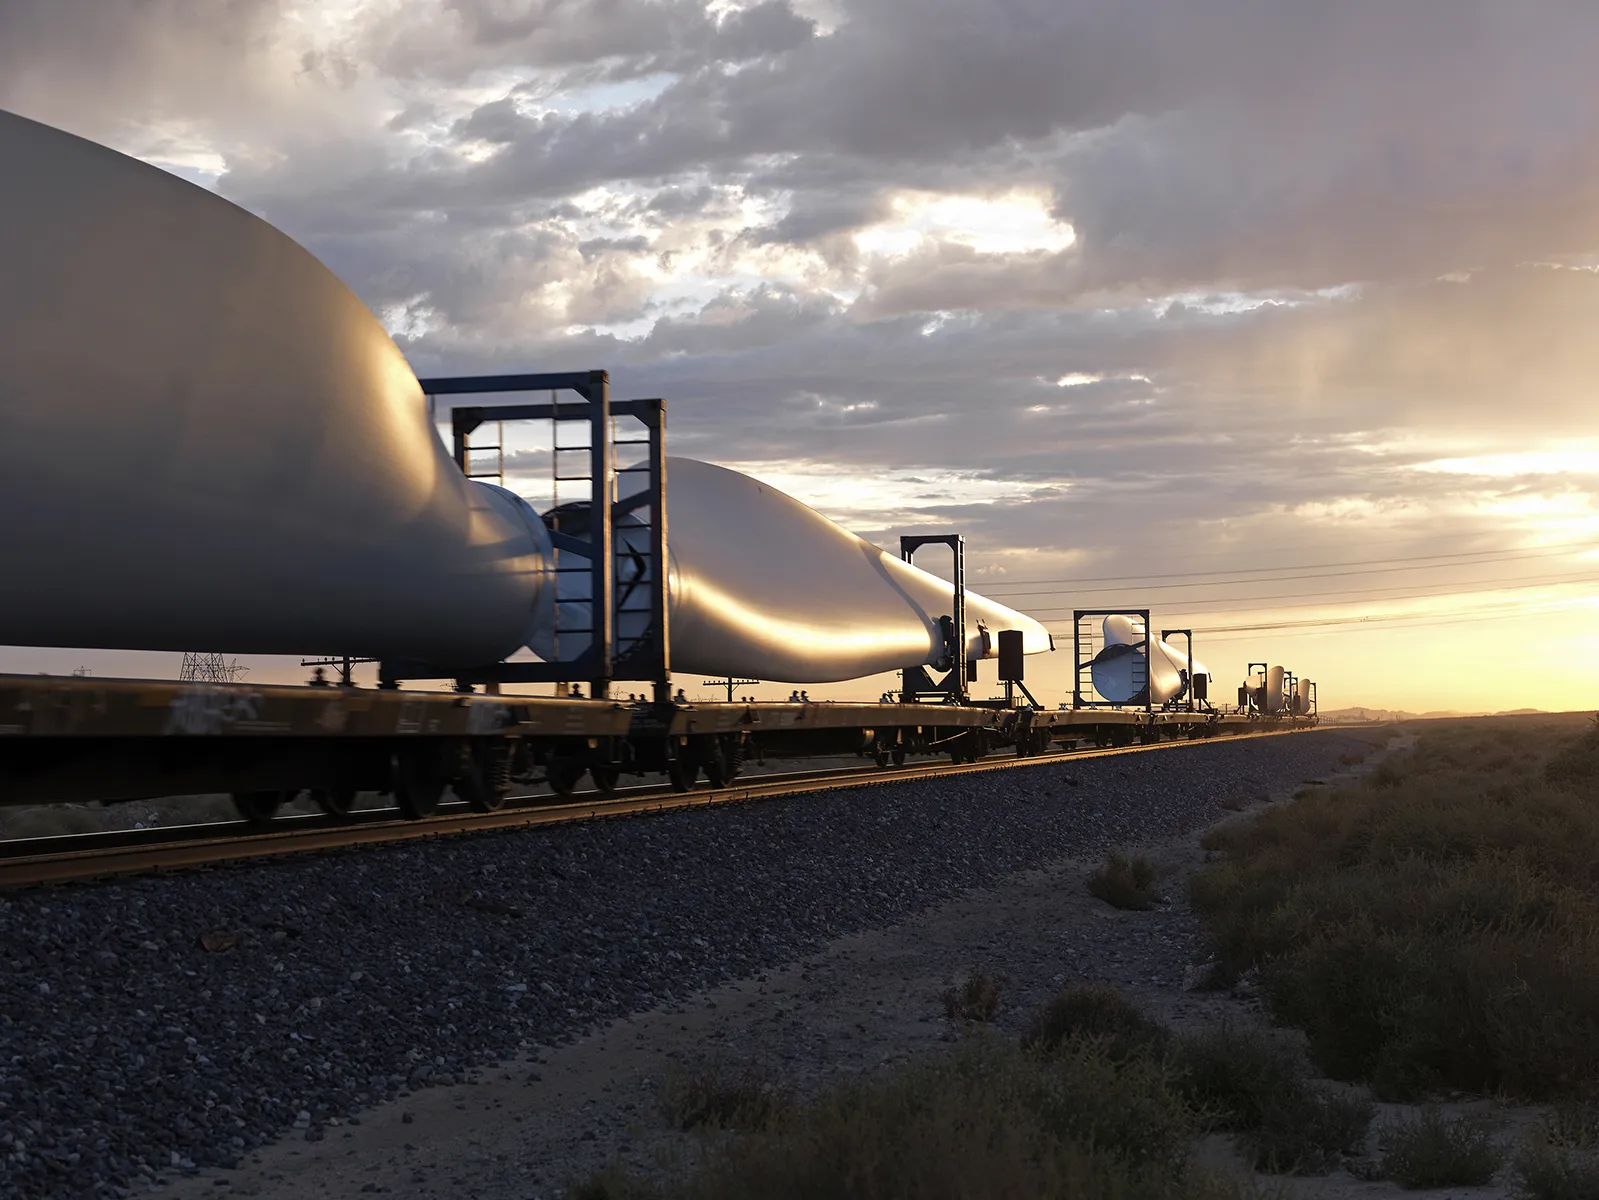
(112, 740)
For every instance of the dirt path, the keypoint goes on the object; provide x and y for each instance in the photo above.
(866, 1002)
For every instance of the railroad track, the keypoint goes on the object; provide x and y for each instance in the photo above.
(30, 862)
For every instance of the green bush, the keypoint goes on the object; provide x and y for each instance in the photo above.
(1125, 883)
(1434, 926)
(1088, 1011)
(1432, 1150)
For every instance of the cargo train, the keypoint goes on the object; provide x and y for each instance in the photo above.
(208, 441)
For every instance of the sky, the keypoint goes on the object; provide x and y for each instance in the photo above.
(1273, 316)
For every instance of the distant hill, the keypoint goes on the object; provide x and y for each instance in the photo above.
(1365, 714)
(1399, 714)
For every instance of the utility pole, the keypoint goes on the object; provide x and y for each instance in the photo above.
(730, 683)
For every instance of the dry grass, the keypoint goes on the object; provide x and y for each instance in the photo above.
(1259, 1086)
(1124, 882)
(1546, 1172)
(1097, 1101)
(1436, 924)
(723, 1095)
(1101, 1014)
(975, 1000)
(1562, 1161)
(1431, 1150)
(987, 1120)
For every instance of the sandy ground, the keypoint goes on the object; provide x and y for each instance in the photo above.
(866, 1002)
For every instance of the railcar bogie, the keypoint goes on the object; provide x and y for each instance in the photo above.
(117, 740)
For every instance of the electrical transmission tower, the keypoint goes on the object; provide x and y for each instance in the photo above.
(210, 668)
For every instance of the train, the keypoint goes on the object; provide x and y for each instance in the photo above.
(208, 441)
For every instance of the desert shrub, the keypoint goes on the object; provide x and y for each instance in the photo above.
(1562, 1163)
(1124, 882)
(975, 1000)
(1437, 929)
(1546, 1172)
(1305, 1131)
(985, 1121)
(720, 1095)
(1087, 1011)
(1129, 1107)
(1432, 1150)
(1258, 1085)
(1577, 762)
(1235, 1075)
(1573, 1122)
(1386, 774)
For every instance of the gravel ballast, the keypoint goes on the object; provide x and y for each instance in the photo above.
(132, 1052)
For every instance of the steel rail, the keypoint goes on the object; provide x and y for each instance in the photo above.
(102, 841)
(58, 866)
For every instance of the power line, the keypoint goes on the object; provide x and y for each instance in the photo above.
(1487, 612)
(1163, 587)
(1553, 550)
(1246, 603)
(1508, 615)
(1200, 543)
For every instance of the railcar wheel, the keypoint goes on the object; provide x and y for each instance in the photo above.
(605, 779)
(258, 808)
(880, 753)
(683, 772)
(480, 784)
(418, 783)
(563, 776)
(337, 802)
(897, 754)
(720, 766)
